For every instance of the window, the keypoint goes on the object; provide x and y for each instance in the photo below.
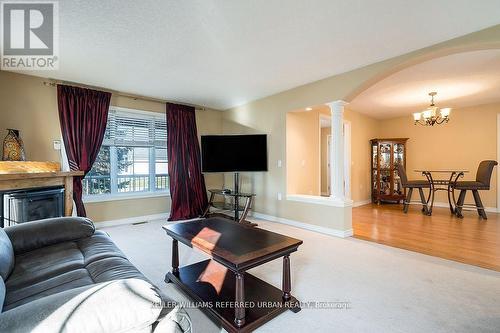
(133, 155)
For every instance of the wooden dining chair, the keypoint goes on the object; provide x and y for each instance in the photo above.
(410, 185)
(482, 182)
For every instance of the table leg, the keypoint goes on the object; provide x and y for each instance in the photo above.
(431, 206)
(450, 189)
(453, 206)
(239, 310)
(454, 200)
(175, 256)
(426, 208)
(286, 278)
(452, 209)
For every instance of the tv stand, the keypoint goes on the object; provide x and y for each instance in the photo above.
(237, 198)
(234, 208)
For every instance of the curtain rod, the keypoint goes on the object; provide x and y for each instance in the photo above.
(54, 83)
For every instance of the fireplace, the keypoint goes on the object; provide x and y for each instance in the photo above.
(29, 205)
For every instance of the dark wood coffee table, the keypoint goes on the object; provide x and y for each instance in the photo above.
(238, 300)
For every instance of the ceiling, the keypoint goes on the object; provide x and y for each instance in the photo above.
(223, 53)
(460, 80)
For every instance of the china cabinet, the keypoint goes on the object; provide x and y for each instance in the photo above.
(386, 155)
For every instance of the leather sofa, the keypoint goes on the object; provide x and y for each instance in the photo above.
(61, 275)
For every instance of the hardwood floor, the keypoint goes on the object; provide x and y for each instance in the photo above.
(468, 240)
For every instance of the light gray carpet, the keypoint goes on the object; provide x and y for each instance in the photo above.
(389, 289)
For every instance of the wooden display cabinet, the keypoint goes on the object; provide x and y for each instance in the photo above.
(386, 154)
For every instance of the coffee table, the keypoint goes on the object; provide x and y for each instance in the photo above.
(229, 294)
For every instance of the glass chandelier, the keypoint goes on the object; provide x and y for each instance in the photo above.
(432, 115)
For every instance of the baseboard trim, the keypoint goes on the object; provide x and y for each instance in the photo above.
(131, 220)
(318, 200)
(293, 223)
(361, 203)
(306, 226)
(446, 205)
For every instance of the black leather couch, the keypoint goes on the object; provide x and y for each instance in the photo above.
(61, 275)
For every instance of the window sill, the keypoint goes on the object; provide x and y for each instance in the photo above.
(318, 200)
(125, 196)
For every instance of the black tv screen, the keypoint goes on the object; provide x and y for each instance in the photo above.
(234, 153)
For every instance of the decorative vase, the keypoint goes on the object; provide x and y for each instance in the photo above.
(13, 148)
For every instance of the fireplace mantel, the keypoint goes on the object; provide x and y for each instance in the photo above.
(35, 175)
(30, 175)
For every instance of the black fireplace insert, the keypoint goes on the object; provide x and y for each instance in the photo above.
(29, 205)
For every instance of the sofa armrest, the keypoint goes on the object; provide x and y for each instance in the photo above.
(33, 235)
(128, 305)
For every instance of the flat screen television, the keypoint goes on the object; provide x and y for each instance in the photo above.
(234, 153)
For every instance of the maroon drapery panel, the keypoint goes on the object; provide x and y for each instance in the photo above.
(83, 114)
(187, 185)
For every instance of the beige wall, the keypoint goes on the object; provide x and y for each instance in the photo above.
(363, 129)
(469, 137)
(303, 153)
(28, 105)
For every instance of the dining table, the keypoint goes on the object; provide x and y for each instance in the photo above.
(442, 180)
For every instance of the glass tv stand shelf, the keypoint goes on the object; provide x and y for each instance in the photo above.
(234, 206)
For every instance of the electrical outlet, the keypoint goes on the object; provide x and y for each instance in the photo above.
(279, 196)
(279, 163)
(57, 144)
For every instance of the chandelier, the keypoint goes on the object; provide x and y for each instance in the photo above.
(432, 115)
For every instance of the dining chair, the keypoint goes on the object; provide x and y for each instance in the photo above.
(482, 182)
(410, 185)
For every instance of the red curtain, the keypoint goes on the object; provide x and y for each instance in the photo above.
(83, 114)
(187, 185)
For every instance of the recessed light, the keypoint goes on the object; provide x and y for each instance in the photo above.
(309, 109)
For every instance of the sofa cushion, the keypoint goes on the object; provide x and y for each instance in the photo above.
(45, 263)
(49, 261)
(113, 268)
(56, 268)
(6, 255)
(66, 281)
(97, 247)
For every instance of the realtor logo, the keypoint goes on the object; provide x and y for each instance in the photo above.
(29, 35)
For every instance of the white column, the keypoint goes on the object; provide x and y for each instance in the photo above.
(337, 150)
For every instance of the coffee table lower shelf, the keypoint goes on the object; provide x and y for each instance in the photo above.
(213, 286)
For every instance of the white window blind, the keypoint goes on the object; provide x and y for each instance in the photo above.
(133, 155)
(144, 129)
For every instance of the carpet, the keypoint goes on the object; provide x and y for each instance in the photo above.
(387, 289)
